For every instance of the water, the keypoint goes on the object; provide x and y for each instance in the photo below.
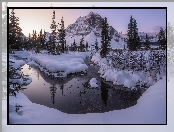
(71, 95)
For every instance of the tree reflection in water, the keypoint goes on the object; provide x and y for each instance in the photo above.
(53, 92)
(104, 93)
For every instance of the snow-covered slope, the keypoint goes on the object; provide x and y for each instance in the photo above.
(153, 37)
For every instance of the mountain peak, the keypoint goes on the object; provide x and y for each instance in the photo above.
(91, 13)
(88, 24)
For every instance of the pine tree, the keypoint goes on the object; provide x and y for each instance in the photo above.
(105, 39)
(41, 39)
(136, 41)
(15, 32)
(132, 33)
(34, 38)
(28, 45)
(61, 32)
(96, 45)
(86, 46)
(162, 39)
(147, 42)
(38, 44)
(53, 44)
(74, 46)
(44, 41)
(82, 46)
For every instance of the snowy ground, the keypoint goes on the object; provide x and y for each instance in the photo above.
(60, 65)
(150, 109)
(16, 64)
(127, 78)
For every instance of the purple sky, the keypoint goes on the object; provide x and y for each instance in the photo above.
(148, 20)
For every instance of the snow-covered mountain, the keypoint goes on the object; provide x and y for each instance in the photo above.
(90, 27)
(153, 37)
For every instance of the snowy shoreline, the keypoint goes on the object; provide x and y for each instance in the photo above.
(60, 65)
(127, 78)
(150, 107)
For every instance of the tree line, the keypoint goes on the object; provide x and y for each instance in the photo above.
(56, 42)
(132, 40)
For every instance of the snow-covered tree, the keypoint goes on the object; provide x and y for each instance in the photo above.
(15, 32)
(162, 39)
(105, 39)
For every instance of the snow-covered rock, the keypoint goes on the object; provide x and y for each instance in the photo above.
(93, 82)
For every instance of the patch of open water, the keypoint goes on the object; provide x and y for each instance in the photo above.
(70, 95)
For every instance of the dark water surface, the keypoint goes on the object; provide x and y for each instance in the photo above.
(71, 95)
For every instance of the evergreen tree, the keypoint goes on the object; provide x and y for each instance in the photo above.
(66, 48)
(52, 39)
(105, 39)
(14, 32)
(28, 45)
(82, 46)
(136, 42)
(42, 41)
(147, 42)
(62, 35)
(74, 46)
(96, 45)
(86, 46)
(162, 39)
(38, 44)
(34, 38)
(132, 33)
(24, 43)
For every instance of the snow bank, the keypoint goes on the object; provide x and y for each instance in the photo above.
(16, 63)
(22, 54)
(25, 80)
(93, 82)
(17, 77)
(60, 65)
(150, 109)
(127, 77)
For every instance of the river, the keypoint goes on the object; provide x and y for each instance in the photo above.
(71, 94)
